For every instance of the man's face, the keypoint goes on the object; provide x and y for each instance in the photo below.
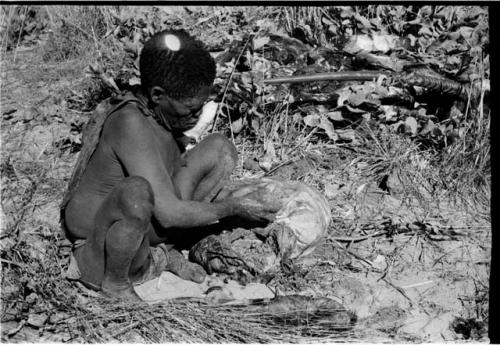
(182, 114)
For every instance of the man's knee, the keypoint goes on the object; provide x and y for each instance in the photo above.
(136, 199)
(223, 149)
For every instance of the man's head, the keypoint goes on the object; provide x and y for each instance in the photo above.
(176, 74)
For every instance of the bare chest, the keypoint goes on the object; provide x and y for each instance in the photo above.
(167, 146)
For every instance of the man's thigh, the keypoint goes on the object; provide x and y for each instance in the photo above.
(204, 168)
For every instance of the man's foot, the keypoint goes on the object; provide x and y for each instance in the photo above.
(180, 266)
(118, 292)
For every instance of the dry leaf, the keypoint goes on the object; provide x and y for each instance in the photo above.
(389, 112)
(356, 99)
(312, 120)
(411, 125)
(327, 126)
(429, 127)
(37, 320)
(335, 116)
(237, 125)
(346, 134)
(259, 42)
(267, 162)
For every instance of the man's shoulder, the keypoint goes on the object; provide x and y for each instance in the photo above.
(128, 117)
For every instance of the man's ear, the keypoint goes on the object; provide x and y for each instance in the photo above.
(156, 93)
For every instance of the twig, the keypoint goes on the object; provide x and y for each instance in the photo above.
(359, 257)
(417, 284)
(229, 81)
(5, 40)
(291, 160)
(327, 76)
(132, 325)
(14, 331)
(305, 139)
(20, 265)
(20, 33)
(400, 290)
(359, 238)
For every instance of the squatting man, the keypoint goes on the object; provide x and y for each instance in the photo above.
(134, 184)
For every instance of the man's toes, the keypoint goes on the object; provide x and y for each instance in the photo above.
(196, 273)
(127, 295)
(180, 266)
(190, 271)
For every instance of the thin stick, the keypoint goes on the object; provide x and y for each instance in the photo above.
(305, 139)
(339, 76)
(228, 82)
(400, 290)
(20, 33)
(417, 284)
(279, 166)
(5, 42)
(359, 257)
(357, 239)
(132, 325)
(17, 329)
(13, 263)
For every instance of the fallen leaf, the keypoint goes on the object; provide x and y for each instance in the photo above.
(346, 134)
(37, 320)
(269, 158)
(259, 42)
(55, 318)
(411, 124)
(327, 126)
(237, 125)
(335, 116)
(312, 120)
(389, 112)
(384, 43)
(332, 190)
(359, 43)
(363, 23)
(360, 189)
(134, 81)
(429, 127)
(356, 99)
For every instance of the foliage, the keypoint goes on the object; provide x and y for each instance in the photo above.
(22, 24)
(253, 44)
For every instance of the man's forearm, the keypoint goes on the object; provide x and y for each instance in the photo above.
(187, 214)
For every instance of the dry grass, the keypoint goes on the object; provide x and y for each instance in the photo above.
(192, 322)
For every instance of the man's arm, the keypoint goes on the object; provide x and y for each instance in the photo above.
(131, 136)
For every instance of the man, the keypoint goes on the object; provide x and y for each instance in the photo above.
(134, 186)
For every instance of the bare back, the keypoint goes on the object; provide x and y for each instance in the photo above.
(106, 168)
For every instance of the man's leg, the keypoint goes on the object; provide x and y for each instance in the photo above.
(204, 171)
(206, 168)
(118, 248)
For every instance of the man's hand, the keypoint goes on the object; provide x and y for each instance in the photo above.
(256, 203)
